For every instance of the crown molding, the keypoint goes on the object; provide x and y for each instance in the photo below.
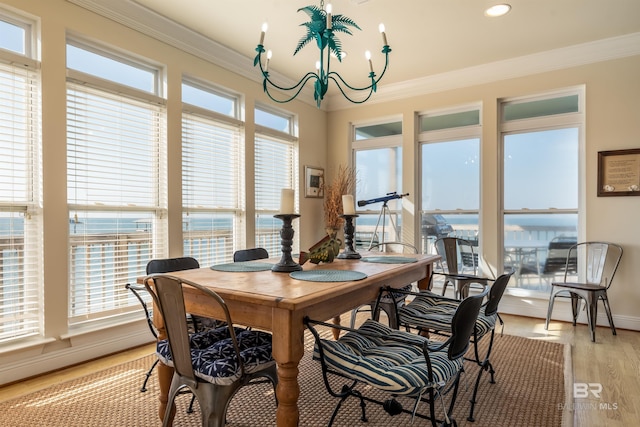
(556, 59)
(139, 18)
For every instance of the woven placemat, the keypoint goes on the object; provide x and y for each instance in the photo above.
(389, 259)
(243, 267)
(328, 275)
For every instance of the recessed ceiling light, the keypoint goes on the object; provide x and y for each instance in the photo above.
(498, 10)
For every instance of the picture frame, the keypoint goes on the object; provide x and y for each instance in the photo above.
(313, 182)
(619, 173)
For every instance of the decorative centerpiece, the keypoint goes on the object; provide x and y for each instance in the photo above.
(343, 184)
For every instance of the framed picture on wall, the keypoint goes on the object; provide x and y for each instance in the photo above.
(619, 173)
(313, 182)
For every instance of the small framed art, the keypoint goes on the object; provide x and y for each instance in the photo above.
(313, 182)
(619, 173)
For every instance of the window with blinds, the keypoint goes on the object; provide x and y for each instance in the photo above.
(212, 175)
(276, 167)
(116, 152)
(20, 186)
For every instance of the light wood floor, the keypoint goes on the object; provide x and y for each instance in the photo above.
(612, 361)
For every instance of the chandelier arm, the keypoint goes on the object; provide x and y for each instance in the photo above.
(374, 81)
(300, 86)
(370, 88)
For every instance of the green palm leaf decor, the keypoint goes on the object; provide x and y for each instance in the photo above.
(317, 30)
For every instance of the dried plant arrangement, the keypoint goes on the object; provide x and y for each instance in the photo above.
(343, 183)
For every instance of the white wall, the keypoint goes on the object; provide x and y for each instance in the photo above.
(612, 112)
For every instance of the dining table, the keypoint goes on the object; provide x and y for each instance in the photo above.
(279, 301)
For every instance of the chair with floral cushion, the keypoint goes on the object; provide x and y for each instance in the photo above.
(432, 313)
(406, 366)
(214, 363)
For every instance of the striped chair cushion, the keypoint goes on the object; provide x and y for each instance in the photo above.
(375, 357)
(214, 358)
(431, 311)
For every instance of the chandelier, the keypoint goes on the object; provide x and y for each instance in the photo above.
(322, 29)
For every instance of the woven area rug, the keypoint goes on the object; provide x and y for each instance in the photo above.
(529, 391)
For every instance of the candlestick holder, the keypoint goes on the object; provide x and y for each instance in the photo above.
(286, 263)
(349, 231)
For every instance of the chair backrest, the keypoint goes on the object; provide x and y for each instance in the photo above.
(458, 255)
(463, 324)
(167, 292)
(597, 263)
(168, 265)
(394, 247)
(250, 254)
(495, 294)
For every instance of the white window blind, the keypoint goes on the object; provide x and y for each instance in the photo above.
(20, 214)
(117, 197)
(276, 166)
(212, 188)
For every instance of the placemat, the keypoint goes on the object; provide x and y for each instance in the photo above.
(328, 275)
(389, 259)
(243, 267)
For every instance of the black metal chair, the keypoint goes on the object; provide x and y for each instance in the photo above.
(402, 364)
(589, 271)
(162, 266)
(385, 303)
(250, 254)
(432, 313)
(213, 364)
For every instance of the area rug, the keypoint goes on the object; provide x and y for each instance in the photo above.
(529, 391)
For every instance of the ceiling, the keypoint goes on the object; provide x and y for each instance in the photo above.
(427, 37)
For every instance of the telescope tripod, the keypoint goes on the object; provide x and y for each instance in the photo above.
(384, 211)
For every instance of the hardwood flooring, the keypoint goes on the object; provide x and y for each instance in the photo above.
(612, 362)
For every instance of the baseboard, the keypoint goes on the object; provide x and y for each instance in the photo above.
(61, 358)
(537, 308)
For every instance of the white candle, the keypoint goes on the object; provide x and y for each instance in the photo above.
(286, 201)
(328, 10)
(348, 207)
(367, 55)
(384, 36)
(265, 26)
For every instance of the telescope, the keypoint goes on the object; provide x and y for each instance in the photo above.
(385, 199)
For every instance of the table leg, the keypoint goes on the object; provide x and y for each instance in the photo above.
(288, 348)
(336, 331)
(165, 374)
(425, 283)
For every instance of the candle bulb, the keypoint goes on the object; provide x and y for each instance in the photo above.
(264, 30)
(286, 201)
(348, 207)
(367, 55)
(384, 36)
(329, 23)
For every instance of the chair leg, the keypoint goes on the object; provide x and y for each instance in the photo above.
(592, 314)
(148, 374)
(607, 308)
(485, 365)
(552, 299)
(575, 307)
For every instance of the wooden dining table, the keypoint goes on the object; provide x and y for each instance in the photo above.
(276, 302)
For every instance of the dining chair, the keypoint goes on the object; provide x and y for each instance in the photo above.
(386, 301)
(458, 265)
(213, 364)
(404, 365)
(251, 254)
(432, 313)
(589, 271)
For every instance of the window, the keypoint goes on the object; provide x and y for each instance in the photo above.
(20, 185)
(212, 177)
(377, 157)
(540, 145)
(276, 167)
(116, 152)
(449, 175)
